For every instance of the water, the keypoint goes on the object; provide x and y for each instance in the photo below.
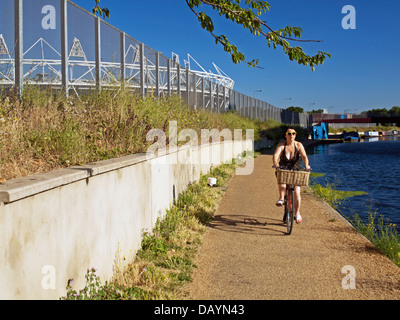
(372, 166)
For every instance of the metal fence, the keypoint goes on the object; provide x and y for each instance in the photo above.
(56, 43)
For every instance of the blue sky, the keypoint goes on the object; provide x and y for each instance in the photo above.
(362, 74)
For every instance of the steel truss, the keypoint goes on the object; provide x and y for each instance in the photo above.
(42, 70)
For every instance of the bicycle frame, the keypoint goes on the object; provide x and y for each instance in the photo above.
(289, 208)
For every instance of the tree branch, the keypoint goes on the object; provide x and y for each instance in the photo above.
(249, 20)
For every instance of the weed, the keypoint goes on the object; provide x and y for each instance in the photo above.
(166, 258)
(381, 232)
(333, 196)
(62, 132)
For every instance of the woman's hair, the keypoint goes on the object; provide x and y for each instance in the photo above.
(284, 132)
(290, 127)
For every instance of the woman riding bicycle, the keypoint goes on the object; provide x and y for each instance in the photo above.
(287, 156)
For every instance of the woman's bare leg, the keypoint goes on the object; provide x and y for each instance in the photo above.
(297, 201)
(282, 191)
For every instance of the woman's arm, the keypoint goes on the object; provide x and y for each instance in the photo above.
(277, 155)
(303, 156)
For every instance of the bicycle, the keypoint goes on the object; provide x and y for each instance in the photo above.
(288, 216)
(292, 179)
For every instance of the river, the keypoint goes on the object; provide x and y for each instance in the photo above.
(372, 165)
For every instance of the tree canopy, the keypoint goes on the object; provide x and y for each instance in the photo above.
(383, 112)
(247, 13)
(295, 109)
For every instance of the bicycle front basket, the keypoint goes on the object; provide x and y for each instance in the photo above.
(296, 178)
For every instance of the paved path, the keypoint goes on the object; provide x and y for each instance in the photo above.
(246, 254)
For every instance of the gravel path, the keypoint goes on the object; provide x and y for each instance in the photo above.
(247, 256)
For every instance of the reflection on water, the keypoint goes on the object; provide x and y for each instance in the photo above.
(371, 166)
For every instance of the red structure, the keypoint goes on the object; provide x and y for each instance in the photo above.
(334, 118)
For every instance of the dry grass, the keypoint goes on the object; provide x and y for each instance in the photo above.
(166, 258)
(44, 131)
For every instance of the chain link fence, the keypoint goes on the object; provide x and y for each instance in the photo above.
(56, 43)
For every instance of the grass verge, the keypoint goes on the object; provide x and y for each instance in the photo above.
(166, 258)
(333, 196)
(379, 231)
(44, 130)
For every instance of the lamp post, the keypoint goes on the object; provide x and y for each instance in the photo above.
(309, 111)
(255, 103)
(309, 106)
(329, 112)
(286, 100)
(255, 92)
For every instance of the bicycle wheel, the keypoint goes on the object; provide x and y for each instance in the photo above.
(289, 210)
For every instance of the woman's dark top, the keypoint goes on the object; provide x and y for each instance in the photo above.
(290, 164)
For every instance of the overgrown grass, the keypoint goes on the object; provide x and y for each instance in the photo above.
(333, 196)
(166, 258)
(380, 231)
(329, 192)
(44, 131)
(315, 175)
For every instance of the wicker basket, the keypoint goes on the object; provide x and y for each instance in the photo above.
(296, 178)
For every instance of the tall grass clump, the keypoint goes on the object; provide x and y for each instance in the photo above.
(381, 232)
(164, 263)
(44, 130)
(331, 195)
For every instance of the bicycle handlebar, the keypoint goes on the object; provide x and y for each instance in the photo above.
(277, 168)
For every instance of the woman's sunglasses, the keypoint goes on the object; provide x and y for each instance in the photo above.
(291, 133)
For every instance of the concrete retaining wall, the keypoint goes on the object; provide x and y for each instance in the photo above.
(55, 226)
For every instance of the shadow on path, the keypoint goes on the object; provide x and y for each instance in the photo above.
(239, 223)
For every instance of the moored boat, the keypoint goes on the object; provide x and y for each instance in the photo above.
(351, 136)
(371, 134)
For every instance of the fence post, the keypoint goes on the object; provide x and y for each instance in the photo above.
(187, 87)
(194, 91)
(18, 38)
(64, 47)
(256, 108)
(265, 111)
(248, 102)
(211, 95)
(202, 93)
(168, 77)
(224, 98)
(241, 108)
(142, 75)
(97, 51)
(253, 108)
(218, 102)
(122, 58)
(243, 104)
(157, 74)
(178, 78)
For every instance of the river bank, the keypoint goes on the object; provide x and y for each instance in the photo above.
(367, 171)
(246, 254)
(353, 202)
